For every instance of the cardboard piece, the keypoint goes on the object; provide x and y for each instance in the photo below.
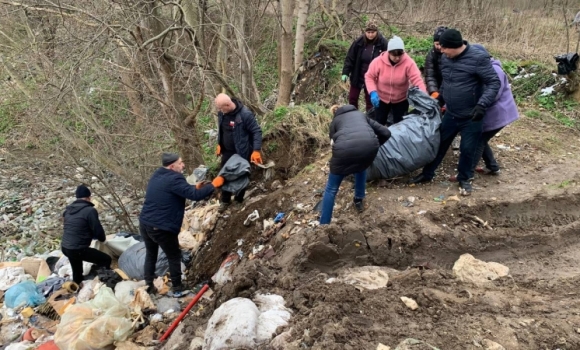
(35, 267)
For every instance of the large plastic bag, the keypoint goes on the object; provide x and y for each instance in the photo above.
(94, 324)
(132, 262)
(233, 325)
(125, 291)
(23, 294)
(12, 275)
(414, 141)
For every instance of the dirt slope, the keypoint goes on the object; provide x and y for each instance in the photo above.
(532, 212)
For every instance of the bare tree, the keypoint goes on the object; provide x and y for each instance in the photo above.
(303, 7)
(286, 61)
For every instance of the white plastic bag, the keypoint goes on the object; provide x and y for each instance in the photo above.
(13, 275)
(273, 315)
(232, 326)
(90, 288)
(95, 324)
(125, 290)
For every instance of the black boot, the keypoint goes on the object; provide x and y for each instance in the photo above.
(419, 179)
(465, 188)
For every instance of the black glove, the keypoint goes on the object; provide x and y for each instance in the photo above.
(478, 113)
(440, 100)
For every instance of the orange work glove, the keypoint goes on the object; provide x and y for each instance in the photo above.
(199, 185)
(218, 151)
(256, 157)
(218, 182)
(435, 95)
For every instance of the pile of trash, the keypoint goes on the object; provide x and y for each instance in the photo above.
(42, 308)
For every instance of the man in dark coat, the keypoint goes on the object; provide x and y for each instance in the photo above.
(238, 133)
(162, 215)
(470, 86)
(81, 226)
(433, 77)
(355, 143)
(360, 55)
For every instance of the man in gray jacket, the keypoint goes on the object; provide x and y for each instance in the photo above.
(470, 86)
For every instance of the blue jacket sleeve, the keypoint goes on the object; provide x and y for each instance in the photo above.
(95, 225)
(490, 80)
(252, 127)
(183, 189)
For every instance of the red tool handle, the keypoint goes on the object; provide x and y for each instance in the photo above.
(184, 313)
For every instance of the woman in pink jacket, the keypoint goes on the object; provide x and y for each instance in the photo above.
(388, 79)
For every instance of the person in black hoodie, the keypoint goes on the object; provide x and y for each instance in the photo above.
(81, 226)
(360, 55)
(162, 215)
(355, 143)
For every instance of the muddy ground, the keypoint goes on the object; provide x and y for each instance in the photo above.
(532, 212)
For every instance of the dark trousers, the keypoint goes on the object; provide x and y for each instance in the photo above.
(77, 256)
(485, 152)
(399, 110)
(470, 141)
(354, 93)
(169, 243)
(227, 196)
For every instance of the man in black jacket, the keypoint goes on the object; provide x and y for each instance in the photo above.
(162, 215)
(470, 86)
(238, 133)
(81, 226)
(360, 54)
(433, 78)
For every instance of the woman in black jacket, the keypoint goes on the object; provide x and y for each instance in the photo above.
(360, 54)
(355, 143)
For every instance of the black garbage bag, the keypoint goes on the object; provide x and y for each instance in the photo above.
(567, 63)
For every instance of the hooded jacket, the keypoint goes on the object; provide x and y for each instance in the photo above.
(356, 140)
(81, 225)
(164, 205)
(247, 132)
(468, 80)
(504, 110)
(390, 81)
(353, 61)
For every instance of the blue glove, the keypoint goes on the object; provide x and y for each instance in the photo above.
(375, 99)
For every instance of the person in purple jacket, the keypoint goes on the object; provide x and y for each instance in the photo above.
(500, 114)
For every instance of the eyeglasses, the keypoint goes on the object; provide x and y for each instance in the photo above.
(397, 53)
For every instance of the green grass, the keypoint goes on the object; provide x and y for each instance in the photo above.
(532, 113)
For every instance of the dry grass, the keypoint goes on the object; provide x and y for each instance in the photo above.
(528, 30)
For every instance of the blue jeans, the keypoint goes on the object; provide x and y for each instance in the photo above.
(470, 141)
(331, 190)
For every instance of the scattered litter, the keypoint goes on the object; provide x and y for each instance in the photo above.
(125, 290)
(421, 212)
(365, 277)
(441, 198)
(156, 318)
(504, 147)
(410, 303)
(224, 274)
(252, 217)
(168, 305)
(383, 347)
(23, 294)
(279, 217)
(454, 198)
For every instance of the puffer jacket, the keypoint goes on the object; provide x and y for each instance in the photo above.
(356, 140)
(247, 132)
(81, 225)
(353, 62)
(468, 80)
(433, 71)
(504, 110)
(390, 81)
(164, 205)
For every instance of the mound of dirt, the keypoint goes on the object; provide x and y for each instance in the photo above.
(527, 223)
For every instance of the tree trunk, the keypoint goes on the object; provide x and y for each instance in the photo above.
(303, 6)
(286, 64)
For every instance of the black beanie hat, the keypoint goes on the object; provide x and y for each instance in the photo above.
(82, 192)
(169, 158)
(451, 39)
(438, 31)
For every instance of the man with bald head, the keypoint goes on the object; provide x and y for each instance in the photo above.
(238, 133)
